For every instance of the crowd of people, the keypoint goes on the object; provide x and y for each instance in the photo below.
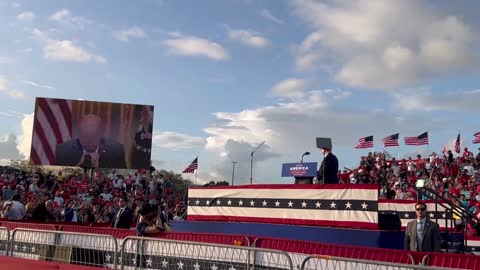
(125, 200)
(448, 175)
(114, 200)
(455, 178)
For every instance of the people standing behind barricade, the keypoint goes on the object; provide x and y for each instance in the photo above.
(129, 183)
(70, 213)
(75, 198)
(167, 187)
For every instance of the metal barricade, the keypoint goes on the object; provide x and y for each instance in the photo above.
(320, 262)
(65, 247)
(154, 253)
(4, 241)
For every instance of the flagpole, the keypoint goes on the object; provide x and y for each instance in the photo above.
(428, 145)
(459, 143)
(398, 152)
(196, 176)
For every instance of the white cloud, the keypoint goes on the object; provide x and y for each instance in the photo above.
(176, 141)
(372, 45)
(65, 17)
(426, 100)
(269, 16)
(3, 84)
(238, 151)
(132, 32)
(8, 147)
(25, 139)
(66, 50)
(26, 16)
(25, 50)
(12, 93)
(291, 88)
(186, 45)
(288, 127)
(248, 37)
(16, 93)
(6, 60)
(34, 84)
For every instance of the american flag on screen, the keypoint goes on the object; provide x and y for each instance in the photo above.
(52, 125)
(366, 142)
(192, 167)
(421, 139)
(477, 138)
(146, 115)
(329, 205)
(391, 140)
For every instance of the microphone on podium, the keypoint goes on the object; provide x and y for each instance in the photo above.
(304, 154)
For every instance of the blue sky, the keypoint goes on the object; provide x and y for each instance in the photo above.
(227, 75)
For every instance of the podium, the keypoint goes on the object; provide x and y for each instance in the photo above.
(303, 172)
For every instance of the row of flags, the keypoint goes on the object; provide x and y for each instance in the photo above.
(392, 140)
(422, 139)
(367, 142)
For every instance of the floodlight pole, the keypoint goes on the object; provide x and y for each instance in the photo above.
(251, 161)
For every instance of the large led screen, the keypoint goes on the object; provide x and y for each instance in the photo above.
(91, 134)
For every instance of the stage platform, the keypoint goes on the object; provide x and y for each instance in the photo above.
(339, 236)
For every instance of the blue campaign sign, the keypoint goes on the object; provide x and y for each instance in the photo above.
(306, 169)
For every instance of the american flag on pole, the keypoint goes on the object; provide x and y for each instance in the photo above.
(391, 140)
(52, 125)
(476, 138)
(421, 139)
(346, 205)
(457, 144)
(192, 167)
(365, 142)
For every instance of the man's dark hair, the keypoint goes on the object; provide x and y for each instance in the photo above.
(16, 197)
(422, 204)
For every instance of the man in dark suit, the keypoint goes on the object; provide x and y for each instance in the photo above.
(90, 149)
(123, 217)
(329, 167)
(422, 234)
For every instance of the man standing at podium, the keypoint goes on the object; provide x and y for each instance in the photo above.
(327, 174)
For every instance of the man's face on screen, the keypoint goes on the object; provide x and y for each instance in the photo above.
(91, 132)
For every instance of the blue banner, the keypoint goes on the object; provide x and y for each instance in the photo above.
(306, 169)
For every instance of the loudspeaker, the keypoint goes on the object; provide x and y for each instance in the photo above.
(389, 222)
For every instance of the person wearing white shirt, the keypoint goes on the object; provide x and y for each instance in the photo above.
(106, 195)
(469, 168)
(118, 183)
(58, 199)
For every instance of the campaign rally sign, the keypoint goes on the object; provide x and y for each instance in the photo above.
(305, 169)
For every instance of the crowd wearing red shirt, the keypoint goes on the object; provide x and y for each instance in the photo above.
(79, 199)
(446, 174)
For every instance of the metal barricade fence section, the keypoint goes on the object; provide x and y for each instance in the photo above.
(87, 249)
(65, 247)
(320, 262)
(153, 253)
(32, 244)
(4, 241)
